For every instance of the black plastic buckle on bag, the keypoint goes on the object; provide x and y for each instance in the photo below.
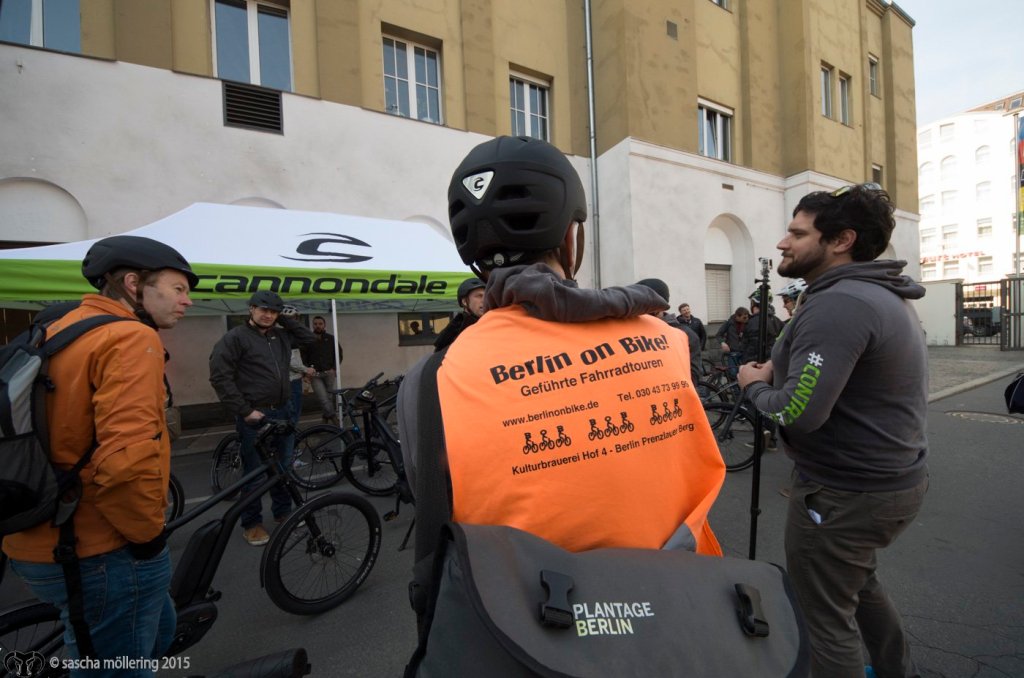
(556, 611)
(751, 615)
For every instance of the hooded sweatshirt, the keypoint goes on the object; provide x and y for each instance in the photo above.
(851, 381)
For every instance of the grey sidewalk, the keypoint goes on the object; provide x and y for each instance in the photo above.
(952, 369)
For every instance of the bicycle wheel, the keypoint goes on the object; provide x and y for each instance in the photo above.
(226, 468)
(318, 457)
(321, 554)
(390, 414)
(368, 467)
(708, 393)
(30, 627)
(735, 436)
(175, 500)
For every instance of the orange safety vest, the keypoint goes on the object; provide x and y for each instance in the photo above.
(586, 434)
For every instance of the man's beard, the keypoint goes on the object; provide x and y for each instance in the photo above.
(791, 268)
(319, 330)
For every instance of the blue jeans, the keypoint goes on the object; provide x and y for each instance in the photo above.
(296, 401)
(127, 605)
(280, 500)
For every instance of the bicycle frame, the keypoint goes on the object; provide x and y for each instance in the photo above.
(193, 575)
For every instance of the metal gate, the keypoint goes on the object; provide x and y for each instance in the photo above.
(991, 313)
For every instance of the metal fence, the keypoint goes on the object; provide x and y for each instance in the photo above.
(991, 313)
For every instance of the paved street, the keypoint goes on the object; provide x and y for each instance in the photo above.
(957, 574)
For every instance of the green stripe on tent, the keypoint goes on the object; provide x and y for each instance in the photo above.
(49, 280)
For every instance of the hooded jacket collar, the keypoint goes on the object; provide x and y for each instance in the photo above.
(886, 273)
(546, 296)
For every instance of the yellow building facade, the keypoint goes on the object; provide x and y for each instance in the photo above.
(712, 118)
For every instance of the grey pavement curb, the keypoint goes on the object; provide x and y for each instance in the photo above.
(974, 383)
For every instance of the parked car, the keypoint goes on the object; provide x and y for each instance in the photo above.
(981, 322)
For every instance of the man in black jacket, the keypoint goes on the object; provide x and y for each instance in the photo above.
(249, 370)
(320, 356)
(471, 299)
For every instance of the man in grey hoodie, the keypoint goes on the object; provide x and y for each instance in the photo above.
(848, 381)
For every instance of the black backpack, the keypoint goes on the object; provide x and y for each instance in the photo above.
(32, 490)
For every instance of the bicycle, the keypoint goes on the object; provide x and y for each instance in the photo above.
(315, 560)
(226, 465)
(329, 453)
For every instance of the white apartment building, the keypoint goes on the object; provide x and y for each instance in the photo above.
(967, 188)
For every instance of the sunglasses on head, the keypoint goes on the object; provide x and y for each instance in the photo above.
(870, 186)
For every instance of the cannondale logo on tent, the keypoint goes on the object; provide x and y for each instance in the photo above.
(320, 250)
(478, 183)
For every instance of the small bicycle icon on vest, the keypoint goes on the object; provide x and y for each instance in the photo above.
(563, 438)
(530, 446)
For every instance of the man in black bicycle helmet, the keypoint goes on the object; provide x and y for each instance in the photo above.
(109, 397)
(517, 208)
(471, 298)
(249, 370)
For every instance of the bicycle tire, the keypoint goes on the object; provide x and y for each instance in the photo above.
(175, 499)
(33, 626)
(708, 393)
(226, 466)
(317, 462)
(368, 467)
(735, 438)
(390, 414)
(306, 574)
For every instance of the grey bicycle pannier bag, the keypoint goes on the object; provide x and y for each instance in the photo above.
(508, 603)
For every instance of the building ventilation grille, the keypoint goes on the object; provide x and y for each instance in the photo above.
(252, 107)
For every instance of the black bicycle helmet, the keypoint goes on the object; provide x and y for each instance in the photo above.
(656, 284)
(467, 286)
(513, 195)
(267, 299)
(135, 252)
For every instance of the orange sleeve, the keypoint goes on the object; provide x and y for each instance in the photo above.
(132, 460)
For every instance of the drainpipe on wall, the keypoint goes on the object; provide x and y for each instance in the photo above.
(595, 220)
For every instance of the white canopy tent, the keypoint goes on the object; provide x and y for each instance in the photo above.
(319, 262)
(363, 265)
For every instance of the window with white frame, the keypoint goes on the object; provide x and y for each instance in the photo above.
(718, 291)
(53, 24)
(924, 139)
(985, 227)
(926, 172)
(412, 80)
(946, 132)
(253, 43)
(844, 99)
(983, 191)
(927, 205)
(714, 130)
(950, 269)
(826, 91)
(927, 271)
(985, 265)
(948, 200)
(949, 234)
(529, 103)
(982, 155)
(873, 75)
(947, 168)
(927, 236)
